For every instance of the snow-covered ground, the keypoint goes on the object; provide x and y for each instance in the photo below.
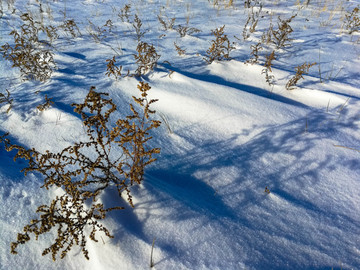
(228, 136)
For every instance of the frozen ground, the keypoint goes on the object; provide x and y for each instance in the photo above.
(229, 136)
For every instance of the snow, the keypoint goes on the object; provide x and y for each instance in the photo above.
(229, 136)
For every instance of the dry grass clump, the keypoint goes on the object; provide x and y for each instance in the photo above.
(179, 50)
(167, 24)
(70, 28)
(5, 98)
(281, 36)
(300, 71)
(352, 21)
(226, 3)
(137, 24)
(113, 70)
(46, 105)
(32, 56)
(254, 13)
(271, 42)
(146, 58)
(113, 157)
(124, 14)
(186, 30)
(220, 47)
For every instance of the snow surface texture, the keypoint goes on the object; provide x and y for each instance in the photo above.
(229, 136)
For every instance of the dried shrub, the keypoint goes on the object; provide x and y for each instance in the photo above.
(96, 32)
(112, 69)
(227, 3)
(146, 58)
(137, 26)
(32, 56)
(300, 71)
(269, 78)
(179, 50)
(255, 8)
(352, 21)
(70, 27)
(168, 24)
(269, 59)
(46, 105)
(255, 53)
(220, 47)
(186, 30)
(124, 14)
(113, 157)
(109, 25)
(6, 99)
(280, 37)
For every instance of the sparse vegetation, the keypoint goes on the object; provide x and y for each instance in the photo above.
(254, 13)
(352, 21)
(300, 71)
(179, 50)
(31, 55)
(117, 151)
(146, 58)
(220, 47)
(186, 30)
(113, 70)
(5, 98)
(84, 177)
(70, 28)
(124, 14)
(46, 105)
(281, 36)
(137, 24)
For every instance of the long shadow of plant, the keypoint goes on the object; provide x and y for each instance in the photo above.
(221, 184)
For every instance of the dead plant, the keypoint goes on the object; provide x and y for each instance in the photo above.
(179, 50)
(255, 53)
(270, 78)
(119, 156)
(46, 105)
(98, 33)
(280, 37)
(168, 24)
(137, 26)
(124, 14)
(70, 27)
(6, 99)
(146, 58)
(352, 21)
(254, 12)
(186, 30)
(113, 70)
(32, 56)
(220, 47)
(300, 71)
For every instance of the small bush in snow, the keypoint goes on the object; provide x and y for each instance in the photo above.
(220, 47)
(352, 20)
(46, 105)
(6, 99)
(113, 157)
(280, 37)
(31, 55)
(146, 58)
(300, 71)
